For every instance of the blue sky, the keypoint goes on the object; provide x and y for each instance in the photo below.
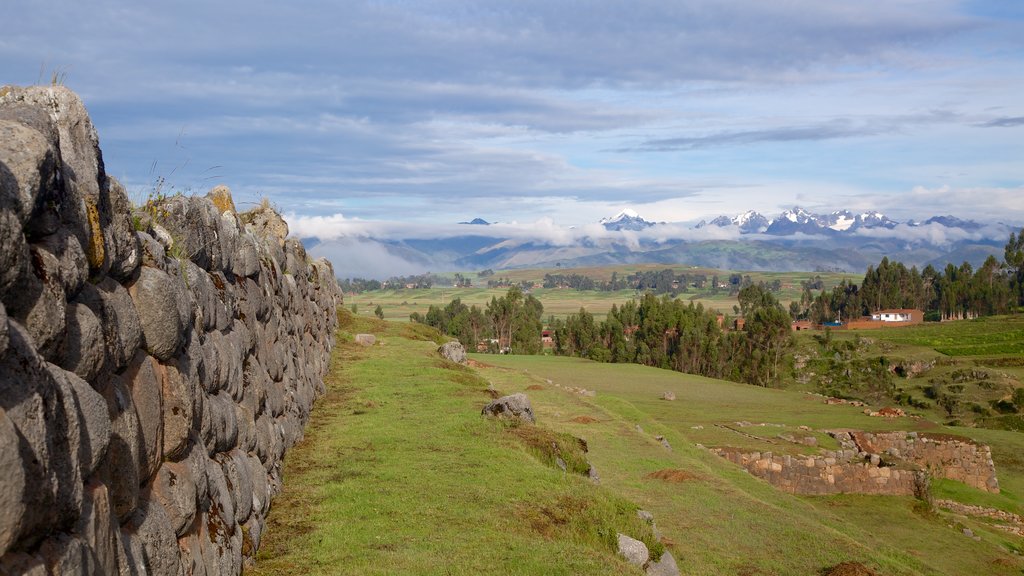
(435, 111)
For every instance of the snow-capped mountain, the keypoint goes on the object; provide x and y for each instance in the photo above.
(751, 222)
(626, 220)
(798, 220)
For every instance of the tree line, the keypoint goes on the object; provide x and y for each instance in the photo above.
(952, 293)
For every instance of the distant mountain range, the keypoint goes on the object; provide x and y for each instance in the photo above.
(795, 240)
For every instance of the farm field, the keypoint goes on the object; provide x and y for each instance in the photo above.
(399, 304)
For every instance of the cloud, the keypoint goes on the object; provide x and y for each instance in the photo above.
(355, 257)
(1006, 122)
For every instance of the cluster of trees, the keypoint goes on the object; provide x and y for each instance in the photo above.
(656, 282)
(954, 293)
(513, 321)
(415, 281)
(668, 333)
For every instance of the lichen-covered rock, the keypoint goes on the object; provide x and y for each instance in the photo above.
(513, 406)
(265, 222)
(220, 196)
(453, 351)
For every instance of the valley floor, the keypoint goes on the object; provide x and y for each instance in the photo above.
(399, 474)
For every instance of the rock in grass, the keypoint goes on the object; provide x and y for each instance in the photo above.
(514, 406)
(665, 566)
(633, 550)
(453, 351)
(366, 339)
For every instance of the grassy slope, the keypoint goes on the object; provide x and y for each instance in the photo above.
(723, 521)
(399, 474)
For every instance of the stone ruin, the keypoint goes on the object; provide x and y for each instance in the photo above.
(889, 463)
(155, 364)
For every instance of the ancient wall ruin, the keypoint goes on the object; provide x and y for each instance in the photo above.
(834, 472)
(889, 463)
(155, 363)
(943, 456)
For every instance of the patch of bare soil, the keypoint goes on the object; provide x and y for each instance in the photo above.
(584, 420)
(671, 475)
(534, 387)
(474, 364)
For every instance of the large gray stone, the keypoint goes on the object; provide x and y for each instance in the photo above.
(178, 406)
(235, 467)
(46, 430)
(175, 489)
(68, 263)
(634, 551)
(82, 203)
(123, 454)
(68, 554)
(30, 171)
(98, 527)
(157, 305)
(512, 406)
(154, 546)
(92, 436)
(121, 330)
(123, 249)
(84, 352)
(665, 566)
(12, 484)
(453, 351)
(144, 378)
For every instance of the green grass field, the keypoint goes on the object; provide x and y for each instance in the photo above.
(754, 516)
(399, 474)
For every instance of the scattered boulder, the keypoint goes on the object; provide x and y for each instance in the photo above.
(366, 339)
(669, 395)
(453, 351)
(634, 551)
(665, 566)
(513, 406)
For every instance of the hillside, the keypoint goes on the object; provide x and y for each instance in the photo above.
(435, 488)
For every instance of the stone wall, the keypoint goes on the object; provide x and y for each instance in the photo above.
(894, 463)
(155, 364)
(834, 472)
(951, 457)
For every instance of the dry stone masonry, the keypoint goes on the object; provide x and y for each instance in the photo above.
(890, 463)
(155, 363)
